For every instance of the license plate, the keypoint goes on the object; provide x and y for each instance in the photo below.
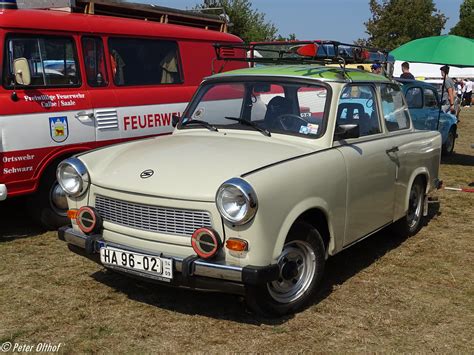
(154, 266)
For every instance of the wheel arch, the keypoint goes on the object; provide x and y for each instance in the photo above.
(425, 176)
(54, 159)
(315, 212)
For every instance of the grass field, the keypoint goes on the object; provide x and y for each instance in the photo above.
(384, 294)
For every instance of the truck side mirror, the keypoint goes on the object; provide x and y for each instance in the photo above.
(175, 120)
(21, 69)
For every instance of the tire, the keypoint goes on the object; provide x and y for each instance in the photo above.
(448, 146)
(413, 221)
(46, 206)
(301, 268)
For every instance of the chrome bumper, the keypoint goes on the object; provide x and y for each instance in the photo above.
(189, 267)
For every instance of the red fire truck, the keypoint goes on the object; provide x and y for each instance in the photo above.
(73, 82)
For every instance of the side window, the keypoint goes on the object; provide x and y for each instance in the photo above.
(144, 61)
(357, 106)
(52, 60)
(395, 112)
(94, 60)
(414, 98)
(430, 99)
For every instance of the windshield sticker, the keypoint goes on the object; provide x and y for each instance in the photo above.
(313, 128)
(304, 130)
(198, 113)
(58, 128)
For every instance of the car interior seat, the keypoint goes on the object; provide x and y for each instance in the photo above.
(276, 107)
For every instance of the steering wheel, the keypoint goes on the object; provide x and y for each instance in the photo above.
(291, 122)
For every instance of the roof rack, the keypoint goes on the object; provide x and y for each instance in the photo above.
(128, 9)
(302, 52)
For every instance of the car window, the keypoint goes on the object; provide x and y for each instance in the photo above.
(395, 112)
(357, 106)
(287, 108)
(137, 61)
(94, 61)
(414, 97)
(430, 98)
(52, 60)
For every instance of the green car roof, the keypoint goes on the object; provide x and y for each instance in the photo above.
(308, 71)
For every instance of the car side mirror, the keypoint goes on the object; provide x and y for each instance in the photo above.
(346, 131)
(174, 120)
(21, 70)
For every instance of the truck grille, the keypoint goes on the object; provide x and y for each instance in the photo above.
(152, 218)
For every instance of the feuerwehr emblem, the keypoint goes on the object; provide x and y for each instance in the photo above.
(146, 174)
(58, 128)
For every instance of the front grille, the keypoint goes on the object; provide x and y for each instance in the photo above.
(151, 218)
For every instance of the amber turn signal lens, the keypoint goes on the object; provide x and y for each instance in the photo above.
(72, 214)
(236, 244)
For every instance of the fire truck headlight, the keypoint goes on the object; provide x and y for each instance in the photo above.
(73, 177)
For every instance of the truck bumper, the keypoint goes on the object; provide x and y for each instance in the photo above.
(191, 272)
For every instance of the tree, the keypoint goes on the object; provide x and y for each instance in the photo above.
(247, 23)
(465, 26)
(395, 22)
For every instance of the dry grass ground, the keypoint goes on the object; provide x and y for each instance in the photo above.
(384, 294)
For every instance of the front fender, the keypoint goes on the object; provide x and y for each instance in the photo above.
(295, 213)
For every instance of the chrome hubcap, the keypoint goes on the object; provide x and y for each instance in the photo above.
(58, 199)
(415, 205)
(297, 269)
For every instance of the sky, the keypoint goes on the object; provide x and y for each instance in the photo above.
(341, 20)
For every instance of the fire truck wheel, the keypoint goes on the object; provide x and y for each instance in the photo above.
(48, 206)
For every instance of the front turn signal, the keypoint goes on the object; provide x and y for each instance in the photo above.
(72, 214)
(236, 244)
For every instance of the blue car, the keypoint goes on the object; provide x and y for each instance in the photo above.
(423, 103)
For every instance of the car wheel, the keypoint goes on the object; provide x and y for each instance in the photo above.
(413, 221)
(448, 146)
(48, 206)
(301, 264)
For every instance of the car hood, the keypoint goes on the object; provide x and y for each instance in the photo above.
(186, 166)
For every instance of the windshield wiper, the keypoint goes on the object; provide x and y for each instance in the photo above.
(250, 124)
(201, 123)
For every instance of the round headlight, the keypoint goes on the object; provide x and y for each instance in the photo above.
(236, 201)
(73, 177)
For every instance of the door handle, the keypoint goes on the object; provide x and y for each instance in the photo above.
(392, 150)
(83, 116)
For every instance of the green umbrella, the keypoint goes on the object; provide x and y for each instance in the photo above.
(449, 49)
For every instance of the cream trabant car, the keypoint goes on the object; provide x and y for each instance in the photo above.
(269, 172)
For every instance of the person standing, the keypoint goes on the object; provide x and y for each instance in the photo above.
(468, 93)
(447, 98)
(406, 71)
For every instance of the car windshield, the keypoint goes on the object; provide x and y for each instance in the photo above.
(264, 106)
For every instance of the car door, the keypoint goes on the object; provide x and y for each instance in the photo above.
(371, 169)
(406, 148)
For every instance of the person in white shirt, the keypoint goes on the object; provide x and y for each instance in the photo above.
(467, 92)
